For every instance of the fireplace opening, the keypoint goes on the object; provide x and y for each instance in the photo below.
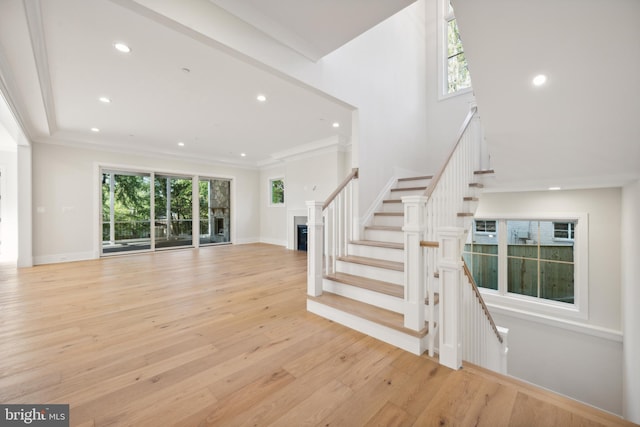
(302, 237)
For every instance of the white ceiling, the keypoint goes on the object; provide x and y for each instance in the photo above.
(57, 59)
(581, 128)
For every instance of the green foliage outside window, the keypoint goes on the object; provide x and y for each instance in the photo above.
(277, 191)
(458, 76)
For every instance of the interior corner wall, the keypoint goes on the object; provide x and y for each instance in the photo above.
(631, 300)
(578, 362)
(65, 197)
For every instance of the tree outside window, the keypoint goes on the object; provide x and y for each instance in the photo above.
(456, 67)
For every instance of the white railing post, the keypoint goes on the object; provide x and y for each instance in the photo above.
(315, 248)
(451, 270)
(414, 268)
(504, 349)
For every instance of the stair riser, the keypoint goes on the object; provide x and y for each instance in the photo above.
(399, 194)
(384, 236)
(413, 183)
(391, 276)
(392, 207)
(394, 221)
(388, 254)
(370, 297)
(390, 336)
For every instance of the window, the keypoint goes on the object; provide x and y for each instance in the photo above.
(532, 264)
(276, 191)
(485, 226)
(564, 230)
(455, 76)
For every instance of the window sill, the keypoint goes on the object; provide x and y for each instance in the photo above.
(549, 320)
(444, 96)
(534, 306)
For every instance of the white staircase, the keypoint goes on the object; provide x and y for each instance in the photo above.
(370, 279)
(383, 279)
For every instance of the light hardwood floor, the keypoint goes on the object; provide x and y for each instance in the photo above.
(221, 336)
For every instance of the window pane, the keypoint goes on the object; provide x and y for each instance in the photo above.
(557, 252)
(215, 211)
(556, 281)
(277, 191)
(480, 254)
(522, 276)
(173, 211)
(130, 210)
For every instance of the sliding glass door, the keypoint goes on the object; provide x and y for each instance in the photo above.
(215, 211)
(173, 221)
(126, 210)
(149, 211)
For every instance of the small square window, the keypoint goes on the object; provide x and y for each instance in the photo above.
(276, 190)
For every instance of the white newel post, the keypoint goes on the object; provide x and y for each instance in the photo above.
(414, 279)
(451, 271)
(315, 248)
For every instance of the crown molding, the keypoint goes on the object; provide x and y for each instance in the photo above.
(33, 12)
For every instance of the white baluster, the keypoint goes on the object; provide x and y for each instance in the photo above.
(314, 243)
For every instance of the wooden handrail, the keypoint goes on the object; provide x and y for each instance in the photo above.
(347, 180)
(463, 128)
(479, 296)
(429, 244)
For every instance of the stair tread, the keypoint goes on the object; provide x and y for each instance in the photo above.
(369, 312)
(373, 262)
(392, 201)
(415, 178)
(470, 199)
(410, 188)
(484, 172)
(384, 227)
(376, 243)
(370, 284)
(388, 213)
(461, 214)
(476, 185)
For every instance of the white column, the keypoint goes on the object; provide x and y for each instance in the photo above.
(25, 218)
(630, 301)
(315, 236)
(450, 267)
(414, 268)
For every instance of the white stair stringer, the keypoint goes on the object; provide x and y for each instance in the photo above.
(413, 344)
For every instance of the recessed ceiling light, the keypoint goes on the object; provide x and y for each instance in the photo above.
(181, 144)
(539, 80)
(554, 188)
(336, 125)
(243, 154)
(121, 47)
(95, 130)
(104, 99)
(261, 98)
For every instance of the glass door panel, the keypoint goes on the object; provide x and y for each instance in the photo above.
(173, 224)
(215, 211)
(126, 210)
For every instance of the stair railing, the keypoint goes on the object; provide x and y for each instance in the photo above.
(484, 343)
(424, 215)
(331, 228)
(433, 265)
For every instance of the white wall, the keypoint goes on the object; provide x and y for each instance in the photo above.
(308, 177)
(273, 219)
(631, 300)
(9, 206)
(581, 359)
(444, 116)
(65, 198)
